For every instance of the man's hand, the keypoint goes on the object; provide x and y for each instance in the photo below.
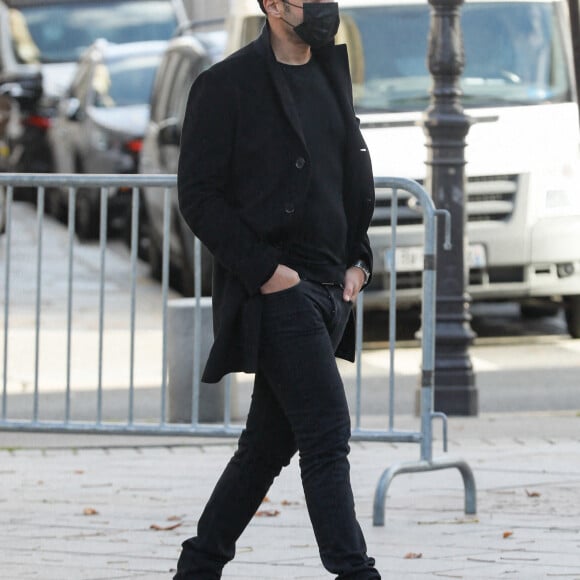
(282, 278)
(354, 280)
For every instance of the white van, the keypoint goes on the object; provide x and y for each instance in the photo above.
(523, 187)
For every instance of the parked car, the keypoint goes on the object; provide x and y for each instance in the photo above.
(41, 42)
(2, 210)
(5, 110)
(100, 125)
(185, 58)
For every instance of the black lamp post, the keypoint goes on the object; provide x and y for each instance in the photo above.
(446, 127)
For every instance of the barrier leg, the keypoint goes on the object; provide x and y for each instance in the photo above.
(418, 467)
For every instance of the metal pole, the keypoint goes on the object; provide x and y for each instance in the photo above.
(446, 127)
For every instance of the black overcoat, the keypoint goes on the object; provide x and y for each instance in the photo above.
(243, 177)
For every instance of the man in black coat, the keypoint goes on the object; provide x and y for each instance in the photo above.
(275, 179)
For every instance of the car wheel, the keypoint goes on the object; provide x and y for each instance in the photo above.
(573, 315)
(143, 242)
(55, 205)
(3, 210)
(187, 285)
(186, 272)
(87, 216)
(155, 256)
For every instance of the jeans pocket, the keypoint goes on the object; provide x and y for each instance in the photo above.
(284, 292)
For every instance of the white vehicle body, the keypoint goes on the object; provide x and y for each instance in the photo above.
(523, 183)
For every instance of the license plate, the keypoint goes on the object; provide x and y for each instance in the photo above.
(476, 256)
(410, 259)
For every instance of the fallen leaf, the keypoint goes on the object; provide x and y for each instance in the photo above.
(158, 528)
(267, 513)
(78, 472)
(266, 500)
(533, 493)
(174, 519)
(507, 534)
(286, 502)
(90, 512)
(413, 556)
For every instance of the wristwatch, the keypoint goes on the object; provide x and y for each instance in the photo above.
(360, 264)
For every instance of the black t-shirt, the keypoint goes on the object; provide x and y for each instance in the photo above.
(317, 250)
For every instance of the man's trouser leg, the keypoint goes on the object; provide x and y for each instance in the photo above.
(265, 446)
(298, 400)
(300, 331)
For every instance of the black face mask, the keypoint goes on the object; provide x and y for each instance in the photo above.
(320, 23)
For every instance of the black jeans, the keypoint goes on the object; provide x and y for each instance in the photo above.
(298, 403)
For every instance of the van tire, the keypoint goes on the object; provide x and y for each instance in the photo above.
(573, 315)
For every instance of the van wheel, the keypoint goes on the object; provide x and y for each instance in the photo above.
(573, 315)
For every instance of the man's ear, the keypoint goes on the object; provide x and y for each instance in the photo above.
(273, 8)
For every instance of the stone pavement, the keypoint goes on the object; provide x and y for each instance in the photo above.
(86, 507)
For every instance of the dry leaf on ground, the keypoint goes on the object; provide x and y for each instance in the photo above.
(158, 528)
(90, 512)
(267, 513)
(413, 555)
(533, 493)
(507, 534)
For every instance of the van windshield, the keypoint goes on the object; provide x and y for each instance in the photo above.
(60, 32)
(514, 55)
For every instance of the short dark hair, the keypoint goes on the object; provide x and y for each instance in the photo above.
(261, 3)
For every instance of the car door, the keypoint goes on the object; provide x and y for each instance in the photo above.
(67, 132)
(97, 138)
(150, 159)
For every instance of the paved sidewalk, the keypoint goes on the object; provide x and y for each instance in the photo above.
(107, 508)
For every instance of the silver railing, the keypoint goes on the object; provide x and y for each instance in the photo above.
(159, 424)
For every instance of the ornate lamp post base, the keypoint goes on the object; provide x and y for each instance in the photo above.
(446, 127)
(455, 391)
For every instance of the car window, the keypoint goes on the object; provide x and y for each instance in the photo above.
(125, 82)
(185, 74)
(25, 48)
(163, 86)
(80, 85)
(60, 32)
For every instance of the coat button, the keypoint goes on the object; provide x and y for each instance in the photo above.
(289, 207)
(300, 162)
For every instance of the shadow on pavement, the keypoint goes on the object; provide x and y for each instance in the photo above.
(489, 320)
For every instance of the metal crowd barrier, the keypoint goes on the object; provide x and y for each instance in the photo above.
(9, 183)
